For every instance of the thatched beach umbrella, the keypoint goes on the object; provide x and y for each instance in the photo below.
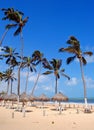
(59, 97)
(43, 98)
(24, 97)
(12, 97)
(5, 97)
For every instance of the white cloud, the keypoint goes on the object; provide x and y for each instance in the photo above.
(89, 59)
(89, 82)
(46, 87)
(72, 82)
(41, 79)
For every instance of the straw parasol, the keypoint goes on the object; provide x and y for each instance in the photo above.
(43, 98)
(59, 97)
(12, 97)
(24, 97)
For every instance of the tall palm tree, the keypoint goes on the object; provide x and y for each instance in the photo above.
(9, 78)
(55, 65)
(38, 59)
(28, 63)
(16, 17)
(74, 48)
(11, 15)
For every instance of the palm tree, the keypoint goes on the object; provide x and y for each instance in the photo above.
(11, 56)
(11, 15)
(9, 78)
(74, 48)
(16, 17)
(38, 59)
(55, 65)
(28, 63)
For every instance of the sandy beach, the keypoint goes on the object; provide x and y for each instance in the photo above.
(47, 118)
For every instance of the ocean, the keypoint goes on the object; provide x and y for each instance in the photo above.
(81, 100)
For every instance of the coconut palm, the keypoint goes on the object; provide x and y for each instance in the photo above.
(55, 65)
(11, 56)
(16, 17)
(38, 59)
(74, 48)
(9, 78)
(11, 15)
(28, 63)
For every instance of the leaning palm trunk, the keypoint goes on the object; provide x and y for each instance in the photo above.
(36, 80)
(3, 37)
(84, 83)
(27, 80)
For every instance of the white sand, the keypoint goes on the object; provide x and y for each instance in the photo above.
(46, 119)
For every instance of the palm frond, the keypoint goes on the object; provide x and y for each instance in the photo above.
(8, 26)
(17, 31)
(65, 76)
(73, 41)
(69, 49)
(88, 53)
(62, 70)
(47, 72)
(61, 49)
(70, 59)
(84, 61)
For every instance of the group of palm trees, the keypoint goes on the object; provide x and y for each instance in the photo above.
(19, 61)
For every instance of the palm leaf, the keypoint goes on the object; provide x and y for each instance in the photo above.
(8, 26)
(88, 53)
(69, 49)
(47, 72)
(73, 41)
(70, 59)
(84, 61)
(65, 75)
(17, 31)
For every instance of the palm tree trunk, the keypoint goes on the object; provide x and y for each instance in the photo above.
(3, 37)
(36, 80)
(22, 45)
(27, 80)
(84, 83)
(18, 88)
(11, 88)
(19, 68)
(8, 86)
(56, 86)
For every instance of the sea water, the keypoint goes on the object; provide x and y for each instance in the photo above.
(80, 100)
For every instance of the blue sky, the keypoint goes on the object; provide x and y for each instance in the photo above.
(50, 24)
